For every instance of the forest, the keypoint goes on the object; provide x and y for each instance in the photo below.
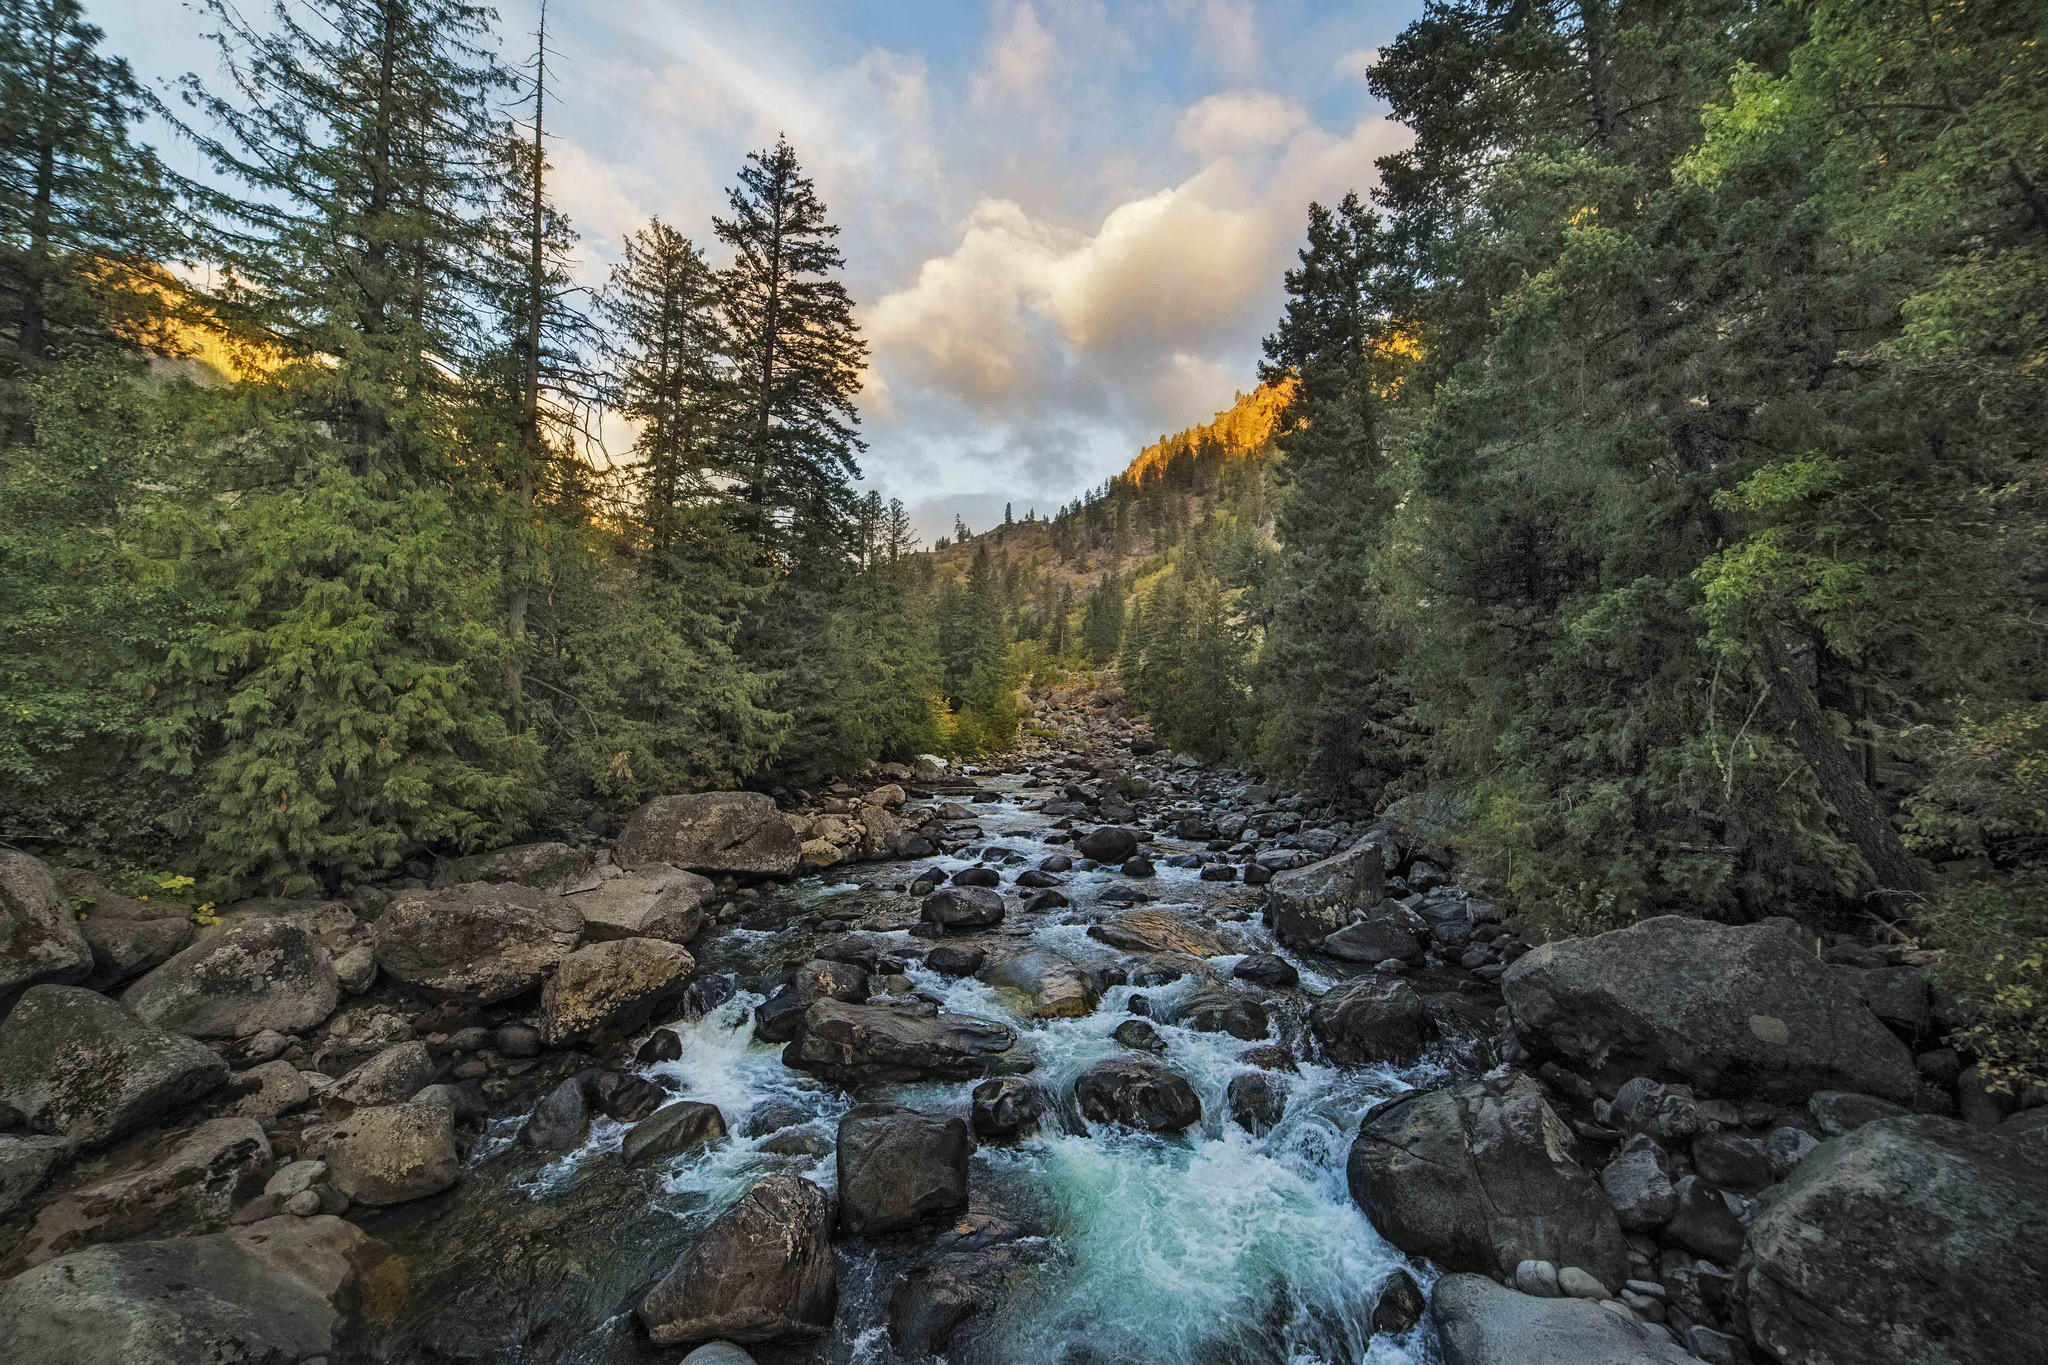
(1647, 468)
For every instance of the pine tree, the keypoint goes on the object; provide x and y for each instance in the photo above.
(673, 376)
(800, 355)
(87, 217)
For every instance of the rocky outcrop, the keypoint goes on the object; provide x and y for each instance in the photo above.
(1309, 904)
(560, 868)
(284, 1289)
(657, 902)
(39, 935)
(861, 1045)
(1917, 1240)
(79, 1065)
(252, 976)
(389, 1154)
(476, 943)
(1483, 1323)
(193, 1187)
(1373, 1019)
(1482, 1177)
(762, 1271)
(714, 832)
(1745, 1010)
(1138, 1094)
(899, 1168)
(610, 988)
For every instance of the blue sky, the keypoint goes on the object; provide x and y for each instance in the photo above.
(1064, 220)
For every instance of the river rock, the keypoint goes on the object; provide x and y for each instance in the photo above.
(260, 974)
(127, 936)
(714, 832)
(1107, 844)
(680, 1127)
(1307, 905)
(762, 1271)
(561, 1120)
(26, 1161)
(780, 1017)
(389, 1154)
(956, 959)
(40, 939)
(1638, 1183)
(1257, 1101)
(1051, 987)
(1006, 1108)
(1267, 969)
(1483, 1323)
(1138, 1094)
(1215, 1008)
(1915, 1239)
(1372, 1019)
(1156, 931)
(1741, 1010)
(1400, 1304)
(77, 1064)
(610, 989)
(193, 1187)
(656, 902)
(1481, 1177)
(966, 1272)
(476, 943)
(953, 908)
(284, 1289)
(391, 1077)
(1387, 933)
(560, 868)
(899, 1168)
(860, 1045)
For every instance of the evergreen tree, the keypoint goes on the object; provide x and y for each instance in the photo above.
(800, 355)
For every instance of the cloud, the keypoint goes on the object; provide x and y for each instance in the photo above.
(1239, 120)
(1226, 34)
(1018, 61)
(1357, 63)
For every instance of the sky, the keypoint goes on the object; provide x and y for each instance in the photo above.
(1065, 221)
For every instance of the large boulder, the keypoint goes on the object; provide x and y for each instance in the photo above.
(1914, 1239)
(560, 868)
(1156, 931)
(389, 1077)
(711, 832)
(1372, 1019)
(953, 908)
(478, 942)
(1309, 904)
(252, 976)
(1137, 1094)
(389, 1154)
(656, 902)
(899, 1168)
(26, 1161)
(127, 936)
(204, 1177)
(1047, 985)
(610, 988)
(781, 1016)
(762, 1271)
(1391, 931)
(39, 935)
(1482, 1177)
(285, 1289)
(1740, 1010)
(1483, 1323)
(1107, 844)
(862, 1045)
(79, 1065)
(964, 1274)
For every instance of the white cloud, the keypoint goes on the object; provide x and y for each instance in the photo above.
(1239, 120)
(1018, 61)
(1357, 63)
(1226, 34)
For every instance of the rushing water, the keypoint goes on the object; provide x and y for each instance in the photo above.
(1209, 1246)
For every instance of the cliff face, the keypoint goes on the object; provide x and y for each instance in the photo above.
(1244, 429)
